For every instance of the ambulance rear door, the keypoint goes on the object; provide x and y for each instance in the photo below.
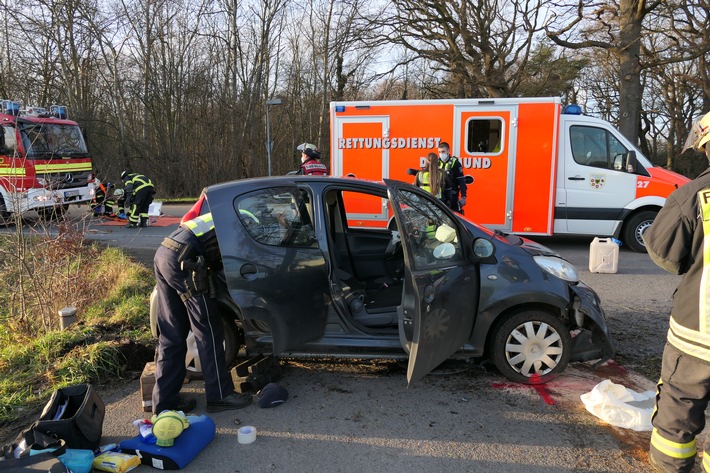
(356, 147)
(485, 141)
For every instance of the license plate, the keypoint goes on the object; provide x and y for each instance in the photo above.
(71, 193)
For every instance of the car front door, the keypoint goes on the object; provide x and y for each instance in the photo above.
(441, 283)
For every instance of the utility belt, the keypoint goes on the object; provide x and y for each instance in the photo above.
(203, 278)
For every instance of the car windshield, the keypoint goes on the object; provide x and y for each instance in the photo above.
(49, 140)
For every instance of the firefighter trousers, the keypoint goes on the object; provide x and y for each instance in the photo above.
(682, 396)
(175, 320)
(140, 203)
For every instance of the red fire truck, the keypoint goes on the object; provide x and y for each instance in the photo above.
(44, 162)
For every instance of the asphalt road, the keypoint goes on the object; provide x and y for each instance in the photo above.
(345, 416)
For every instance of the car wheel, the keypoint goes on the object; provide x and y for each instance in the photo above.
(531, 347)
(634, 229)
(231, 349)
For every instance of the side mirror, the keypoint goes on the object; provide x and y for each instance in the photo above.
(468, 179)
(632, 163)
(483, 248)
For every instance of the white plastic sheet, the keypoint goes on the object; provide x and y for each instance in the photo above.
(620, 406)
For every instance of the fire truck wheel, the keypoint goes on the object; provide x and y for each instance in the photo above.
(231, 349)
(531, 347)
(4, 214)
(634, 229)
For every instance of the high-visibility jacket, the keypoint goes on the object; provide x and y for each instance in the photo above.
(423, 181)
(203, 228)
(679, 242)
(136, 182)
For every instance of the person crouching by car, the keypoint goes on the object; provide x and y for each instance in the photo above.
(310, 161)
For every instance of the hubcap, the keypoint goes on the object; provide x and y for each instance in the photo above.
(533, 347)
(643, 226)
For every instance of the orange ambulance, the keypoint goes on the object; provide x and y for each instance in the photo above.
(539, 168)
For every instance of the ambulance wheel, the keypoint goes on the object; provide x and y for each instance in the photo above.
(231, 348)
(634, 229)
(531, 347)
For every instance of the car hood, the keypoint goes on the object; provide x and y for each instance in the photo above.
(498, 237)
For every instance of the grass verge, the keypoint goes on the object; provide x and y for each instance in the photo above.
(110, 338)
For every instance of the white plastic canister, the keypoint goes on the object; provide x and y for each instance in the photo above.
(603, 256)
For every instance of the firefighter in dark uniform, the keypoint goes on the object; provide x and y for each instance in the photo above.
(310, 161)
(138, 194)
(454, 194)
(184, 265)
(678, 242)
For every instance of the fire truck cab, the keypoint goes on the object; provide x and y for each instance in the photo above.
(44, 163)
(539, 168)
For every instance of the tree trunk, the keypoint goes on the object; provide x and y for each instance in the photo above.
(630, 91)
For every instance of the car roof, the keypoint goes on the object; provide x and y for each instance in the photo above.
(318, 181)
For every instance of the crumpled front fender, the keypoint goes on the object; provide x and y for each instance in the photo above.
(593, 342)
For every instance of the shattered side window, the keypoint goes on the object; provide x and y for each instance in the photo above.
(278, 216)
(428, 232)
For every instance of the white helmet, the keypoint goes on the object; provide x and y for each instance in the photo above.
(117, 192)
(699, 134)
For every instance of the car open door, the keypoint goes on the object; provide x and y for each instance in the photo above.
(441, 282)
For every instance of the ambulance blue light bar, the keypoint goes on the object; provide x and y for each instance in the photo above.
(339, 108)
(572, 110)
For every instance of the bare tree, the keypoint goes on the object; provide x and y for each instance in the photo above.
(482, 46)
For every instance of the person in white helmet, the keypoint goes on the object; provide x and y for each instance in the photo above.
(310, 161)
(679, 242)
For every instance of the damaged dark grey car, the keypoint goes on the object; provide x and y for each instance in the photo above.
(350, 268)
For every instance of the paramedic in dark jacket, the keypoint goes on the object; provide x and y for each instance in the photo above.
(454, 194)
(679, 242)
(184, 264)
(138, 192)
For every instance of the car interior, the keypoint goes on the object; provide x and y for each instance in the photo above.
(369, 265)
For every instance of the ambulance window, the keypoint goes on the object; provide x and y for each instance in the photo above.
(278, 216)
(484, 135)
(597, 147)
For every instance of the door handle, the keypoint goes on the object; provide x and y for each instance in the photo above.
(248, 271)
(576, 178)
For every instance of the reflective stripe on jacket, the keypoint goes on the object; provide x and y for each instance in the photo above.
(200, 225)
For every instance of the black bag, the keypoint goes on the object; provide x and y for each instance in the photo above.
(31, 439)
(74, 414)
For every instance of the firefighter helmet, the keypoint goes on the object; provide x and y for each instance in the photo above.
(123, 175)
(699, 134)
(304, 146)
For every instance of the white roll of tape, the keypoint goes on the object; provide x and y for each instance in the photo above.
(246, 434)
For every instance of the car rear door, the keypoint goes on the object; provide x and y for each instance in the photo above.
(441, 281)
(274, 266)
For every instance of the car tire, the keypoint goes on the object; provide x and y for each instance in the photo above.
(531, 347)
(634, 229)
(231, 349)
